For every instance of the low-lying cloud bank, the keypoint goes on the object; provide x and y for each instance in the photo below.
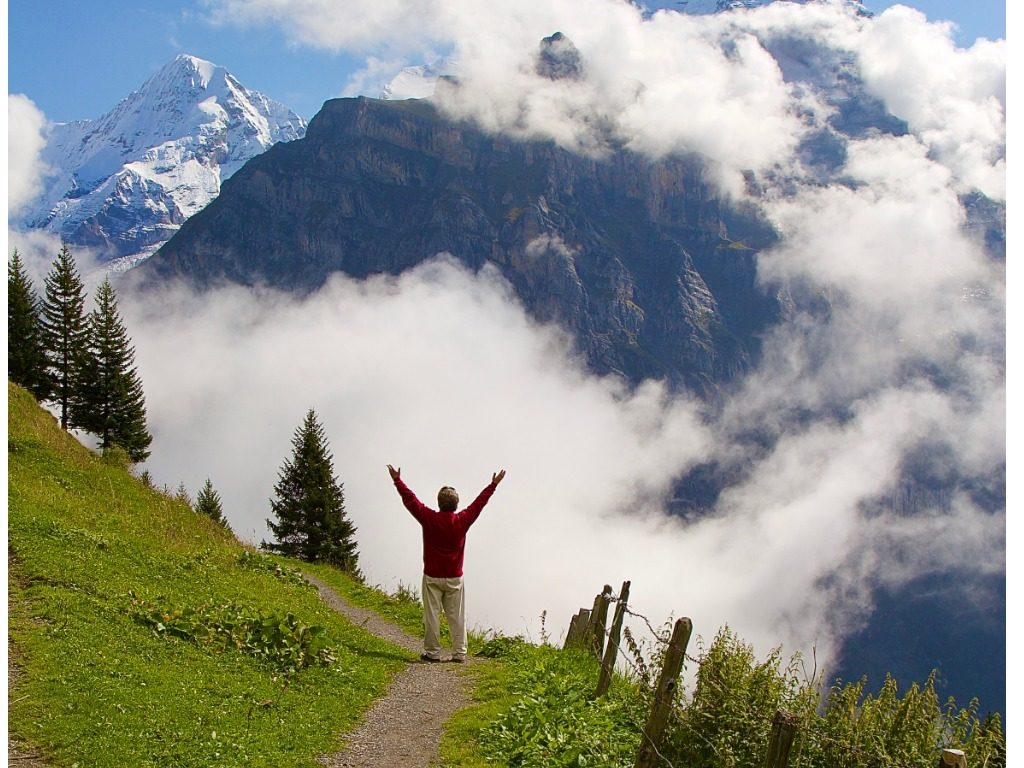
(440, 371)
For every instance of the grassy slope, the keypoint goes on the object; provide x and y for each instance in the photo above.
(96, 687)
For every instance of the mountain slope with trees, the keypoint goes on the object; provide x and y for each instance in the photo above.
(643, 261)
(120, 601)
(83, 364)
(123, 606)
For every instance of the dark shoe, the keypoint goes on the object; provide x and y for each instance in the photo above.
(428, 659)
(458, 659)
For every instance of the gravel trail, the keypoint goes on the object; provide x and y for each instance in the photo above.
(403, 729)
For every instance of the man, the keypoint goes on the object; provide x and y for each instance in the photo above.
(444, 543)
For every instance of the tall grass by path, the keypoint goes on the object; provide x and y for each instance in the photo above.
(88, 545)
(537, 709)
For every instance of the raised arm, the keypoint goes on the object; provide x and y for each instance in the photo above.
(416, 507)
(472, 512)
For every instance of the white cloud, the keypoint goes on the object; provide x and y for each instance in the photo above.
(440, 372)
(372, 77)
(899, 207)
(672, 82)
(953, 99)
(359, 25)
(26, 137)
(38, 248)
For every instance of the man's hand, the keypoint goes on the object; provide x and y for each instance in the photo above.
(497, 477)
(397, 473)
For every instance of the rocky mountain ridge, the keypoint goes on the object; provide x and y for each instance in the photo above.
(640, 259)
(124, 183)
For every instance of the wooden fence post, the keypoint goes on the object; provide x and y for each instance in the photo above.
(576, 636)
(612, 651)
(783, 732)
(598, 620)
(653, 732)
(952, 758)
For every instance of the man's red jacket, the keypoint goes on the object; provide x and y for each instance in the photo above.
(444, 533)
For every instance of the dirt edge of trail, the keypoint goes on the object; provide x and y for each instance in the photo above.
(403, 728)
(17, 753)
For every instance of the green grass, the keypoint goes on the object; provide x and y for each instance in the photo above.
(492, 696)
(96, 686)
(534, 706)
(103, 571)
(536, 709)
(403, 607)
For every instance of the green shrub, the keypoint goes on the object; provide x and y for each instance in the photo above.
(500, 646)
(727, 721)
(116, 456)
(555, 721)
(283, 641)
(550, 718)
(858, 730)
(257, 561)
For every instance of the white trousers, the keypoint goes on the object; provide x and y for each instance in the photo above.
(448, 595)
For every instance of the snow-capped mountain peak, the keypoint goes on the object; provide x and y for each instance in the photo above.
(194, 66)
(126, 181)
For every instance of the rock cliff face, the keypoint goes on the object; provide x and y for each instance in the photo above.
(641, 260)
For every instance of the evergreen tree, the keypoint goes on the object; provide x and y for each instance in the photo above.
(182, 494)
(208, 503)
(65, 334)
(310, 504)
(112, 405)
(26, 356)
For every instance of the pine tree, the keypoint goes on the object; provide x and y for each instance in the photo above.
(65, 334)
(182, 494)
(310, 504)
(208, 503)
(112, 405)
(26, 356)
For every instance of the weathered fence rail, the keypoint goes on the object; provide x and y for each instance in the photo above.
(588, 631)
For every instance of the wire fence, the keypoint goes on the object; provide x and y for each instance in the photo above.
(639, 669)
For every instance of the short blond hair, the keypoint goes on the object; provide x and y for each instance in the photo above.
(448, 499)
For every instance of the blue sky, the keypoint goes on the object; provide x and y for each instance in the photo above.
(103, 49)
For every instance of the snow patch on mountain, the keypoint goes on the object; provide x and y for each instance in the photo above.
(124, 183)
(418, 82)
(704, 7)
